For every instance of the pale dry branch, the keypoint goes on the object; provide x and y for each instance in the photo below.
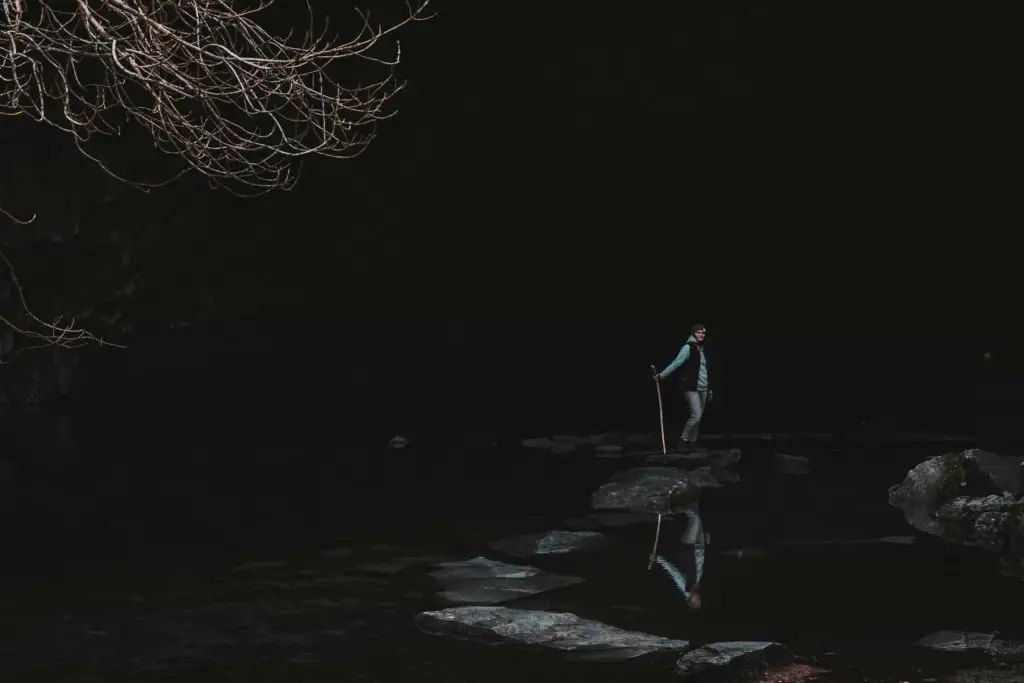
(209, 83)
(55, 334)
(16, 219)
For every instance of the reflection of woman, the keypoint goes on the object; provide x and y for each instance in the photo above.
(686, 548)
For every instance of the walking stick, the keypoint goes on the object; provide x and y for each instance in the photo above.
(661, 412)
(664, 451)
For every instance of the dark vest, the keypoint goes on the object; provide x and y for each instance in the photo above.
(688, 370)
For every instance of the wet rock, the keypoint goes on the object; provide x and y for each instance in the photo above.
(490, 582)
(398, 442)
(704, 478)
(791, 464)
(609, 450)
(1013, 674)
(927, 487)
(897, 540)
(723, 458)
(956, 497)
(646, 489)
(557, 630)
(677, 459)
(965, 641)
(558, 542)
(732, 660)
(725, 476)
(794, 672)
(716, 459)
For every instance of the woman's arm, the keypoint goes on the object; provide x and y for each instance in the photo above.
(684, 355)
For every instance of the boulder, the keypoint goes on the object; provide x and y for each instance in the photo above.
(964, 498)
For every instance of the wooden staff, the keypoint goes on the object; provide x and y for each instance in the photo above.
(661, 412)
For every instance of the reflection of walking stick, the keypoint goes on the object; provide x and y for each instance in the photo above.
(665, 452)
(661, 412)
(654, 550)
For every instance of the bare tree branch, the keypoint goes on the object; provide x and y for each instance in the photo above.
(210, 85)
(65, 336)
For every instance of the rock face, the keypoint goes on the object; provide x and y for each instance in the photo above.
(489, 582)
(965, 498)
(551, 543)
(734, 660)
(557, 630)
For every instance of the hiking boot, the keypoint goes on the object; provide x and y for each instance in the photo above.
(686, 447)
(693, 600)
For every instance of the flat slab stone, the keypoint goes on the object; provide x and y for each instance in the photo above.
(640, 489)
(727, 659)
(558, 542)
(965, 641)
(652, 489)
(556, 630)
(485, 581)
(984, 675)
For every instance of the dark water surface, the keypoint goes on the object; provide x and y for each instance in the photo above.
(129, 575)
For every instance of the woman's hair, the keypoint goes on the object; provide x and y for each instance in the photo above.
(696, 328)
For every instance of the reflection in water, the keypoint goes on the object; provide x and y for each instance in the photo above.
(682, 553)
(673, 494)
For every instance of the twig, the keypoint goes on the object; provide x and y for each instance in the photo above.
(47, 334)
